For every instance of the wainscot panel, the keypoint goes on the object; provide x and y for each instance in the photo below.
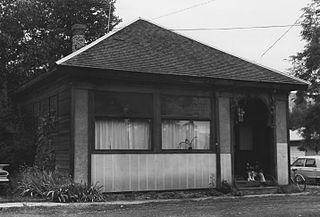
(145, 172)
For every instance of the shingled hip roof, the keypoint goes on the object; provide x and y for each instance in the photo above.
(147, 48)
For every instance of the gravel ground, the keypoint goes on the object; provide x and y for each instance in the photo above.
(307, 205)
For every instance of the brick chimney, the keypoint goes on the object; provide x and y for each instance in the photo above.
(78, 39)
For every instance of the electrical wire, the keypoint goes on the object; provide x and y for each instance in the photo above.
(270, 47)
(184, 9)
(234, 28)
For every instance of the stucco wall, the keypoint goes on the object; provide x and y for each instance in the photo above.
(225, 138)
(281, 141)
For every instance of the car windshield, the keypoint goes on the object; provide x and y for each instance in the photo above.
(299, 162)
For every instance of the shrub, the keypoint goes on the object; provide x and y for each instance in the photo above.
(55, 186)
(45, 157)
(288, 189)
(227, 188)
(76, 192)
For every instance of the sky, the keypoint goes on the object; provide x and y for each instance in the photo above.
(247, 44)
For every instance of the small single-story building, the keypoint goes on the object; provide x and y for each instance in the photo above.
(298, 146)
(144, 108)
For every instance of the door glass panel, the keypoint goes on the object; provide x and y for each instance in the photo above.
(310, 163)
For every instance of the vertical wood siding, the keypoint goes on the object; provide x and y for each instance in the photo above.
(61, 140)
(61, 136)
(138, 172)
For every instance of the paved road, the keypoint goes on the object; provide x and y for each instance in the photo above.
(247, 207)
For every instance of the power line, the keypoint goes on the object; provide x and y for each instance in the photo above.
(270, 47)
(234, 28)
(184, 9)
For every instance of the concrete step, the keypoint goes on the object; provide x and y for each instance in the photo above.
(255, 187)
(245, 183)
(258, 190)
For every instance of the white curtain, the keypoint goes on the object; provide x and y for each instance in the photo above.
(122, 134)
(176, 132)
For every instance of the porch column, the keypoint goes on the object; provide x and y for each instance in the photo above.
(281, 141)
(225, 138)
(80, 100)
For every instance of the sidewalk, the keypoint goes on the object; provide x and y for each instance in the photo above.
(121, 203)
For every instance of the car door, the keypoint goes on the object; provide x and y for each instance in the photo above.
(310, 169)
(317, 168)
(298, 165)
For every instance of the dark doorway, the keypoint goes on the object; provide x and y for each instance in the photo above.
(253, 137)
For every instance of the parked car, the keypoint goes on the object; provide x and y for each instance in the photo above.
(4, 174)
(308, 166)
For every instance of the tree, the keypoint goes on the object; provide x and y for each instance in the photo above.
(36, 33)
(306, 65)
(33, 35)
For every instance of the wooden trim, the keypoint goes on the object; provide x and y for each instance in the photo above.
(275, 154)
(133, 151)
(288, 139)
(157, 191)
(156, 130)
(125, 86)
(91, 131)
(183, 90)
(181, 79)
(212, 123)
(72, 128)
(232, 141)
(135, 117)
(218, 142)
(185, 118)
(184, 93)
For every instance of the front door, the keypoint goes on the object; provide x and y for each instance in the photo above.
(253, 138)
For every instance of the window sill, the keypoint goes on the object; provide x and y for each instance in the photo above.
(152, 152)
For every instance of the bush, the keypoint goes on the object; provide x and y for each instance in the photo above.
(76, 192)
(288, 189)
(55, 186)
(227, 188)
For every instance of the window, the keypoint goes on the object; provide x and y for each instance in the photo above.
(185, 122)
(299, 162)
(36, 109)
(310, 163)
(44, 107)
(122, 134)
(123, 121)
(181, 134)
(53, 104)
(185, 106)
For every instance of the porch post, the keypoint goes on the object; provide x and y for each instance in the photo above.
(225, 138)
(80, 118)
(281, 140)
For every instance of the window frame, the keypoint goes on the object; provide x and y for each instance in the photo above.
(119, 117)
(177, 150)
(125, 150)
(210, 119)
(156, 120)
(309, 165)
